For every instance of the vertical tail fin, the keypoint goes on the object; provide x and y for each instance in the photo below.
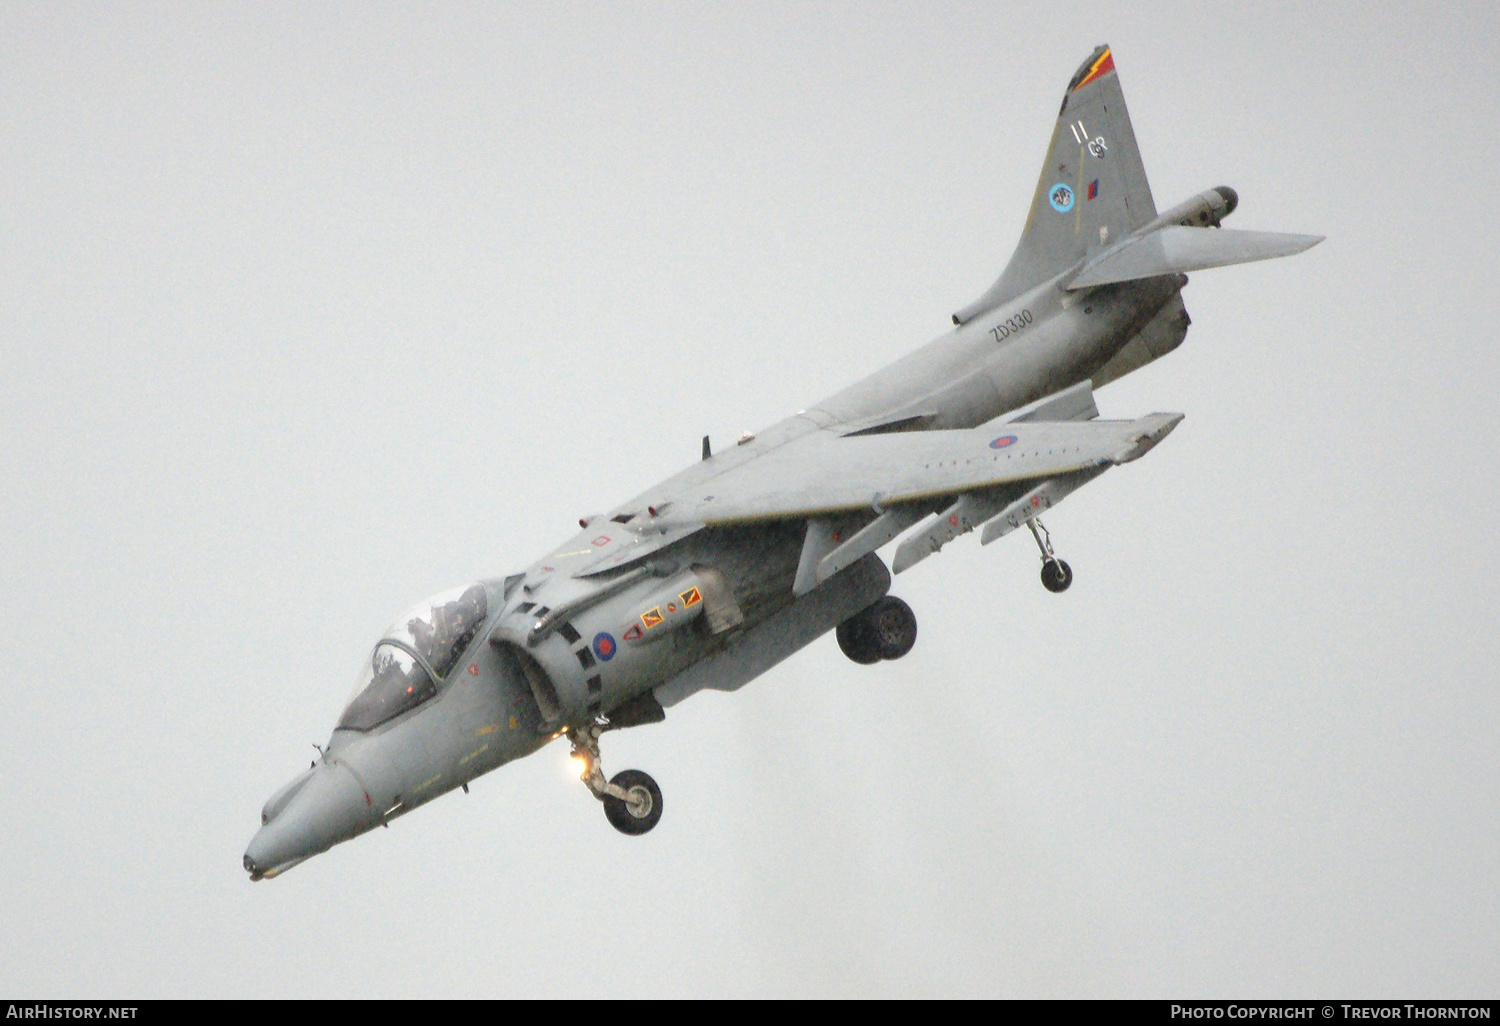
(1092, 189)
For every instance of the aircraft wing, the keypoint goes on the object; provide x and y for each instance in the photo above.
(825, 475)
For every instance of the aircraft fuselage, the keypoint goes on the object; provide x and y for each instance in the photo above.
(493, 707)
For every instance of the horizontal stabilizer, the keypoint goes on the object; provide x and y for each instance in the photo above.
(1177, 249)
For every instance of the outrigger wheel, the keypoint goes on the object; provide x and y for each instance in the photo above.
(1056, 575)
(640, 809)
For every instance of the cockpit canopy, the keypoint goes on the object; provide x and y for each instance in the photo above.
(418, 650)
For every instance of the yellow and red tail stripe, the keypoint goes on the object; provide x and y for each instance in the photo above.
(1105, 64)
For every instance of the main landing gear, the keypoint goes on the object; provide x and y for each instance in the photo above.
(632, 801)
(885, 630)
(1056, 575)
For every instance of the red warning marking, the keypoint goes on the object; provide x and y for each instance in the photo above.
(1036, 501)
(633, 633)
(601, 541)
(473, 669)
(953, 520)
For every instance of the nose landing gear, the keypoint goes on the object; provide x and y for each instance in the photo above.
(1056, 575)
(640, 809)
(632, 801)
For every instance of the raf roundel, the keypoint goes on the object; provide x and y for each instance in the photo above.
(604, 646)
(1003, 442)
(1061, 198)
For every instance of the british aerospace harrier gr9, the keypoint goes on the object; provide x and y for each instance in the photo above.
(719, 573)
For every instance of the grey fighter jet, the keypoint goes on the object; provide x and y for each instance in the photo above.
(719, 573)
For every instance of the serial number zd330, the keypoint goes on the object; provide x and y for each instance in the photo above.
(1011, 325)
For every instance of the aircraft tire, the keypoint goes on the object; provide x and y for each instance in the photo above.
(619, 812)
(1056, 575)
(893, 626)
(857, 640)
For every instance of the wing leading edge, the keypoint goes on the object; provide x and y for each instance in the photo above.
(828, 476)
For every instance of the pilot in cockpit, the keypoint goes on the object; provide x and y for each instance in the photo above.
(442, 638)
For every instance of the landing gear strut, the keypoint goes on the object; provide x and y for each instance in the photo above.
(1056, 575)
(885, 630)
(632, 801)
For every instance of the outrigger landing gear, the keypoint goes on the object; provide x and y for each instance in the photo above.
(1056, 575)
(632, 801)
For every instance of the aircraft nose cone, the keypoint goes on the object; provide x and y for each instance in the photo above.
(331, 807)
(1230, 197)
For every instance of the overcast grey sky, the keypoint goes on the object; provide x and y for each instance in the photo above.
(309, 311)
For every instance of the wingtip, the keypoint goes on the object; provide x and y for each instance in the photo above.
(1153, 429)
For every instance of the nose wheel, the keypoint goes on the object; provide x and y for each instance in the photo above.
(632, 801)
(1056, 575)
(640, 809)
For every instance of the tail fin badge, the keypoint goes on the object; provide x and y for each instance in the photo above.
(1061, 198)
(1101, 67)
